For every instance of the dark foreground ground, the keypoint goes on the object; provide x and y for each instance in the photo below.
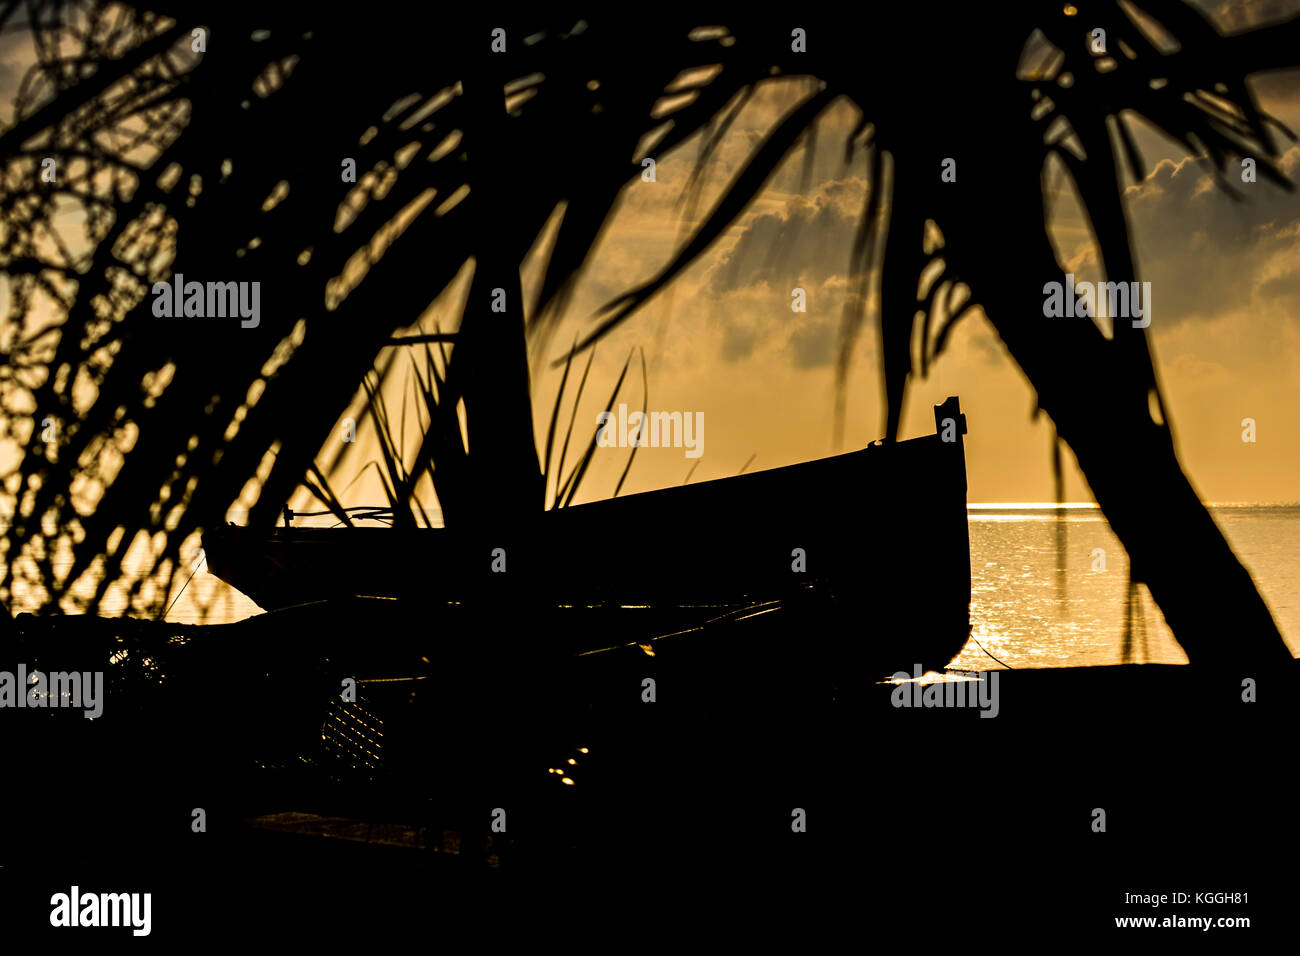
(373, 822)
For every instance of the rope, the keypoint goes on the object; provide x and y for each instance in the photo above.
(986, 651)
(186, 584)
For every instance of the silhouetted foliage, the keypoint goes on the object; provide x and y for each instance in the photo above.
(226, 164)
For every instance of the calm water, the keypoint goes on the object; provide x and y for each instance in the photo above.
(1022, 612)
(1024, 615)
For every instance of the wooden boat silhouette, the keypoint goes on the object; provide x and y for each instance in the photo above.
(878, 535)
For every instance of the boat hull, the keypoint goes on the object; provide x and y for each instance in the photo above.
(879, 535)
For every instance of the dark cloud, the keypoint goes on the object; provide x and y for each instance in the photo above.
(1207, 255)
(805, 245)
(737, 342)
(801, 246)
(813, 345)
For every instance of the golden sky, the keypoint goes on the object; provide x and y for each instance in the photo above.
(1225, 323)
(724, 341)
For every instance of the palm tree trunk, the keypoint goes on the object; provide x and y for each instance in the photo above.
(491, 366)
(1207, 597)
(490, 359)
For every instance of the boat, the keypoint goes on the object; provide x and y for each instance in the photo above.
(878, 534)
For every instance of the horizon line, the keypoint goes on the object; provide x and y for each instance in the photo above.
(1092, 505)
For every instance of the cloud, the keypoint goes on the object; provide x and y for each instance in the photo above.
(738, 342)
(813, 345)
(804, 244)
(1245, 253)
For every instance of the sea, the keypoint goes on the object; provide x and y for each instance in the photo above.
(1028, 612)
(1028, 609)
